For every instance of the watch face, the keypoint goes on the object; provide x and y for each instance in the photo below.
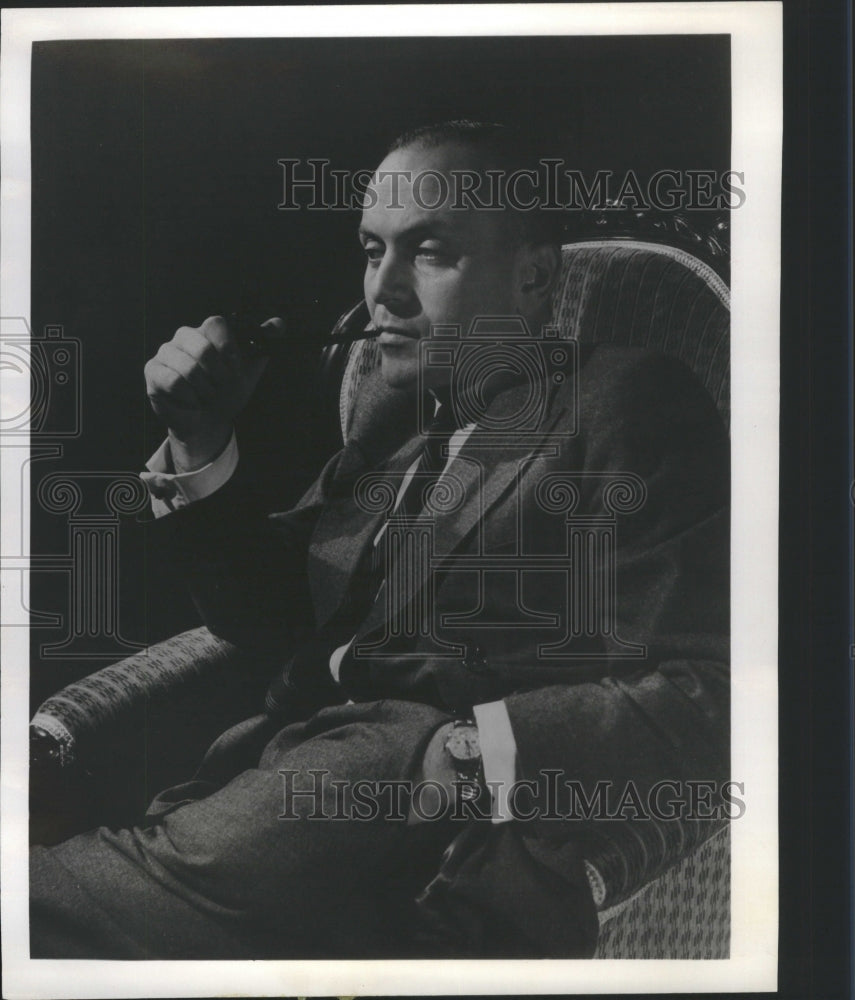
(463, 743)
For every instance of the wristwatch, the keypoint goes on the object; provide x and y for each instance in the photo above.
(464, 748)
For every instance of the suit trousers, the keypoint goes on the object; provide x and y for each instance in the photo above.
(246, 861)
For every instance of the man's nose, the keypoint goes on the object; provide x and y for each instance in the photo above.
(391, 285)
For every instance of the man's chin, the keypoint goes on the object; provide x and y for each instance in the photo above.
(398, 373)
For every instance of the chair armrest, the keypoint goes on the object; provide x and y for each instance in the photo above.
(77, 717)
(622, 857)
(683, 914)
(103, 746)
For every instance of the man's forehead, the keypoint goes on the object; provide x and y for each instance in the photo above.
(419, 188)
(413, 221)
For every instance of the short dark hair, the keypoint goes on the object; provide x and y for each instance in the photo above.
(503, 147)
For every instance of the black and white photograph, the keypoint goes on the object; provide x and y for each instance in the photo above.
(390, 499)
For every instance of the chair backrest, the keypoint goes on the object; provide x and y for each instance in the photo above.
(621, 291)
(649, 295)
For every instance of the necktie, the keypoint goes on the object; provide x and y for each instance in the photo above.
(433, 460)
(308, 671)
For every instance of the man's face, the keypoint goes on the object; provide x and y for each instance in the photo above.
(427, 266)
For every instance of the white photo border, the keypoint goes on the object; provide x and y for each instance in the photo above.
(755, 29)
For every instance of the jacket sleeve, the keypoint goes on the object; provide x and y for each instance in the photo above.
(246, 576)
(666, 715)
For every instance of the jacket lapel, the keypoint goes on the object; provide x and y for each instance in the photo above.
(487, 467)
(341, 538)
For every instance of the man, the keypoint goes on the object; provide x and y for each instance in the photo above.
(459, 670)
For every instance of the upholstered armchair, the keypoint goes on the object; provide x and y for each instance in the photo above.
(103, 745)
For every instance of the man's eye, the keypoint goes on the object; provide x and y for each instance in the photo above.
(434, 255)
(373, 252)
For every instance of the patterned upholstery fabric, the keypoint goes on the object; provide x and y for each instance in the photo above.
(622, 855)
(79, 715)
(683, 914)
(364, 358)
(647, 295)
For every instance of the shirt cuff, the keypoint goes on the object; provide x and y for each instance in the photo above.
(170, 490)
(498, 755)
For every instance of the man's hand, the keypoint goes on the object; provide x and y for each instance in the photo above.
(197, 383)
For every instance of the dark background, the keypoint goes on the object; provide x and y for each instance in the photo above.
(155, 193)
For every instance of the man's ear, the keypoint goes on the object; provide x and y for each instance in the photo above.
(539, 267)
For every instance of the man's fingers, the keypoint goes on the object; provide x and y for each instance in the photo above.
(163, 385)
(218, 366)
(216, 330)
(202, 369)
(179, 368)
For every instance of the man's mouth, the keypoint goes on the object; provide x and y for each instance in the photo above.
(391, 336)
